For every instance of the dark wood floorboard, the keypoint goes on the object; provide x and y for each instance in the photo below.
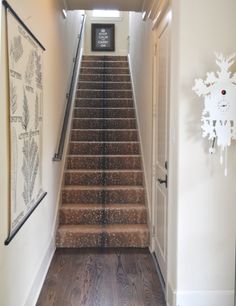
(96, 277)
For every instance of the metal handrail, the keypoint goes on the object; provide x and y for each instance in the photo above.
(58, 155)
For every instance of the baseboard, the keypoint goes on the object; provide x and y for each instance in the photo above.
(200, 298)
(38, 281)
(142, 155)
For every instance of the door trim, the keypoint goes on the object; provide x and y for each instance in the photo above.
(160, 27)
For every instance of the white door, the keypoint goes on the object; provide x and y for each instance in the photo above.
(160, 149)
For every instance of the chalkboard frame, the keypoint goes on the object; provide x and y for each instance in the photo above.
(97, 26)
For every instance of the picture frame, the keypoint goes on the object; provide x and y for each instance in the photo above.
(25, 103)
(103, 37)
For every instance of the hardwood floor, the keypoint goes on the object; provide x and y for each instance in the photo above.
(101, 277)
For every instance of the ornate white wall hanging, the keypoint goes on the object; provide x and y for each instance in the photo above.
(25, 66)
(219, 114)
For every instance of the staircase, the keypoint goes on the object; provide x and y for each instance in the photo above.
(103, 197)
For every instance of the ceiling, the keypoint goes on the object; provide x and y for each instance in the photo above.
(122, 5)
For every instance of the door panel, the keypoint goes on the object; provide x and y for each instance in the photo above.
(160, 158)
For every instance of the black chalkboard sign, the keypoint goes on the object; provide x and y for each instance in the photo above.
(103, 37)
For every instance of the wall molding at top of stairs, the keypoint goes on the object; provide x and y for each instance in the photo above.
(154, 10)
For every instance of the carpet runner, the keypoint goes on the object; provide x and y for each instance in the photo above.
(103, 197)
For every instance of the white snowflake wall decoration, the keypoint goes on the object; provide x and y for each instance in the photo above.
(219, 114)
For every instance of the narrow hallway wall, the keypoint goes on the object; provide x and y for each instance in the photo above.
(206, 198)
(24, 262)
(141, 61)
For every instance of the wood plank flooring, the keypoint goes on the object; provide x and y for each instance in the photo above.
(101, 277)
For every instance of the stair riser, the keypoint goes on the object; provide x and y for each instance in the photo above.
(104, 103)
(103, 196)
(104, 78)
(104, 64)
(104, 86)
(104, 124)
(103, 113)
(104, 178)
(103, 135)
(106, 94)
(105, 162)
(104, 58)
(104, 148)
(95, 240)
(104, 71)
(103, 216)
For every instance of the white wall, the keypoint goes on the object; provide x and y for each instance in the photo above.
(202, 206)
(24, 262)
(206, 199)
(121, 33)
(141, 62)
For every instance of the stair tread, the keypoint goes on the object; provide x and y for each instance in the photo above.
(102, 187)
(95, 118)
(104, 171)
(95, 229)
(115, 142)
(105, 74)
(93, 206)
(108, 130)
(105, 89)
(98, 82)
(105, 99)
(104, 156)
(102, 108)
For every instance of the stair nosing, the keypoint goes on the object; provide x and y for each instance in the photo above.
(102, 82)
(107, 74)
(103, 99)
(115, 142)
(108, 130)
(102, 187)
(100, 108)
(107, 155)
(102, 171)
(105, 89)
(109, 227)
(107, 118)
(102, 206)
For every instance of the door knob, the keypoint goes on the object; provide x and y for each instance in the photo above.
(161, 181)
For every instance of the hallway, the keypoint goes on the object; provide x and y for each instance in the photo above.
(103, 157)
(102, 277)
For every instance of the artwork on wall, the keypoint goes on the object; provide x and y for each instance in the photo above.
(25, 64)
(103, 37)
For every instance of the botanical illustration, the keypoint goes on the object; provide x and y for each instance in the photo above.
(30, 167)
(25, 99)
(36, 119)
(13, 98)
(25, 115)
(38, 70)
(16, 49)
(29, 73)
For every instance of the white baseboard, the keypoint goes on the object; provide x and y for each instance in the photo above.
(33, 295)
(200, 298)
